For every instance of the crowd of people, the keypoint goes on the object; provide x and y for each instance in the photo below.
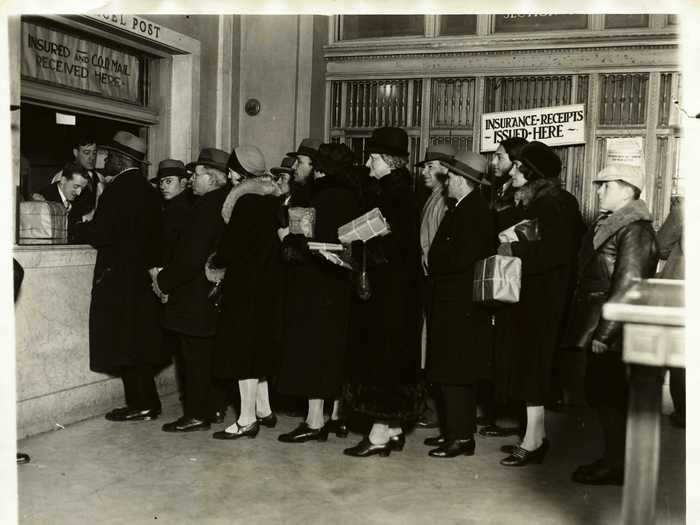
(213, 274)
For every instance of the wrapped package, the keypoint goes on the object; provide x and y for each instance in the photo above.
(302, 221)
(528, 228)
(365, 227)
(497, 280)
(43, 222)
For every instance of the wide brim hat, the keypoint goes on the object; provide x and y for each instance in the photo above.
(541, 159)
(469, 165)
(247, 161)
(287, 166)
(308, 147)
(388, 140)
(211, 157)
(171, 168)
(128, 145)
(437, 152)
(625, 172)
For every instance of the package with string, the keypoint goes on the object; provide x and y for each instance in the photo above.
(497, 280)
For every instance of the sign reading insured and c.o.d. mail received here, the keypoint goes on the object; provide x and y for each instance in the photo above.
(555, 126)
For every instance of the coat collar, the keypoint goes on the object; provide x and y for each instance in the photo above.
(536, 189)
(636, 210)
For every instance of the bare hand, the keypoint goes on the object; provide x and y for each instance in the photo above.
(598, 348)
(38, 197)
(282, 232)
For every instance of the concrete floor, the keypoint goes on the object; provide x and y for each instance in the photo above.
(99, 472)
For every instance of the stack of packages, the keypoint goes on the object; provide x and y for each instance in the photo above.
(42, 222)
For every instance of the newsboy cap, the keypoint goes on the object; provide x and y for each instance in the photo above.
(625, 172)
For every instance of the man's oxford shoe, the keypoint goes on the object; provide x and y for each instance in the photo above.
(304, 433)
(186, 424)
(496, 431)
(453, 448)
(132, 414)
(435, 441)
(269, 421)
(337, 427)
(249, 431)
(365, 448)
(601, 475)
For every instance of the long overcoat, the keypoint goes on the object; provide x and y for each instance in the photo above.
(459, 331)
(317, 301)
(124, 312)
(176, 218)
(249, 336)
(548, 267)
(188, 310)
(384, 341)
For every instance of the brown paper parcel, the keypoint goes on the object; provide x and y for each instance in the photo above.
(497, 280)
(365, 227)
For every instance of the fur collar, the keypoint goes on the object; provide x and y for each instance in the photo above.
(634, 211)
(536, 189)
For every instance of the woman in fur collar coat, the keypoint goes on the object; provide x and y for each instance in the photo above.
(547, 270)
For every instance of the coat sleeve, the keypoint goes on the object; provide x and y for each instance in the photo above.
(670, 232)
(636, 259)
(105, 227)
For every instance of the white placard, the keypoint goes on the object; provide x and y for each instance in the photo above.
(555, 126)
(624, 150)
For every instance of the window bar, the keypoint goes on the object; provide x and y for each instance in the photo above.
(642, 98)
(460, 103)
(352, 111)
(626, 100)
(606, 99)
(616, 99)
(364, 112)
(635, 85)
(409, 104)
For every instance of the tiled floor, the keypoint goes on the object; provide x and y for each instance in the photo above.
(97, 472)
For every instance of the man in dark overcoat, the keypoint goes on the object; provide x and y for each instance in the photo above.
(188, 311)
(459, 336)
(125, 335)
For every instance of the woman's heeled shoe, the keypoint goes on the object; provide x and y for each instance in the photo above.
(269, 421)
(337, 427)
(521, 457)
(397, 442)
(249, 431)
(304, 433)
(365, 448)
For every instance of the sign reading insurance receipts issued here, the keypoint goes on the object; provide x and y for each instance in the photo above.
(555, 126)
(69, 61)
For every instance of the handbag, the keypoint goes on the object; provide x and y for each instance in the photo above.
(497, 279)
(528, 229)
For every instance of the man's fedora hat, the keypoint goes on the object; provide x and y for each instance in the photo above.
(211, 157)
(171, 168)
(284, 167)
(469, 165)
(388, 140)
(128, 145)
(308, 147)
(247, 161)
(438, 152)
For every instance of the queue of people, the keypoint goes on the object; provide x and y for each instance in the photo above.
(215, 274)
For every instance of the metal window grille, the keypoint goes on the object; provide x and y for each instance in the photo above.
(511, 93)
(665, 99)
(452, 103)
(623, 99)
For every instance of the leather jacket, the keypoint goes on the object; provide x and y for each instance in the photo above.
(616, 250)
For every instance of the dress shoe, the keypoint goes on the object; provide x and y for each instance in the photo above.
(186, 424)
(496, 431)
(304, 433)
(22, 458)
(132, 414)
(509, 449)
(249, 431)
(397, 442)
(453, 448)
(365, 448)
(521, 457)
(337, 427)
(269, 421)
(435, 441)
(601, 475)
(424, 422)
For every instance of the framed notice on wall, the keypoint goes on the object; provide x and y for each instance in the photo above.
(555, 126)
(72, 62)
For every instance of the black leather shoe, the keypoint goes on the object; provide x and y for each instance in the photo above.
(337, 427)
(435, 441)
(521, 457)
(397, 442)
(496, 431)
(424, 422)
(453, 448)
(509, 449)
(132, 414)
(186, 424)
(269, 421)
(249, 431)
(22, 458)
(304, 433)
(602, 475)
(365, 448)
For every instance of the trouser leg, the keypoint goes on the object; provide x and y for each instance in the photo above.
(140, 388)
(460, 411)
(196, 355)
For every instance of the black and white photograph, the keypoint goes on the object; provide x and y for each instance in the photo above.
(368, 264)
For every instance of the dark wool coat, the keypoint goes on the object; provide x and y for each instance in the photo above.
(615, 250)
(124, 311)
(459, 331)
(548, 266)
(176, 218)
(188, 310)
(317, 302)
(248, 337)
(384, 335)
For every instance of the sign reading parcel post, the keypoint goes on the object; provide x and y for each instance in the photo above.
(555, 126)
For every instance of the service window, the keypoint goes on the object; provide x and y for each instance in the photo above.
(534, 22)
(380, 26)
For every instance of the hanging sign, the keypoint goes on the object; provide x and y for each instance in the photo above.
(624, 150)
(555, 126)
(69, 61)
